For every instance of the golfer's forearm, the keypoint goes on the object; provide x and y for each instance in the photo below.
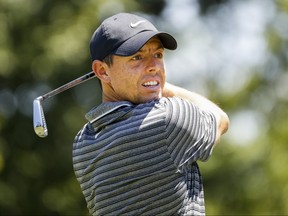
(202, 102)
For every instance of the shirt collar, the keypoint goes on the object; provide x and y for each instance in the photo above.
(104, 109)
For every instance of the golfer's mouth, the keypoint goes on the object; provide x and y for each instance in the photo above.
(151, 84)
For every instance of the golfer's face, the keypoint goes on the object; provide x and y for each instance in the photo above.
(141, 77)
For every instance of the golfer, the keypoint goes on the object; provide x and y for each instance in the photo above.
(138, 152)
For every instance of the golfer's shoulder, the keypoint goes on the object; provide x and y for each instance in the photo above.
(175, 102)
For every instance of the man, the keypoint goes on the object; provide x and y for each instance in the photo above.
(137, 154)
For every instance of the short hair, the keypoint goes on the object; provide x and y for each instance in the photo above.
(108, 60)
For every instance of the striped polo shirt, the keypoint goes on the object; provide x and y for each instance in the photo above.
(141, 159)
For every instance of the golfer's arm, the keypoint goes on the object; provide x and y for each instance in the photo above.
(202, 102)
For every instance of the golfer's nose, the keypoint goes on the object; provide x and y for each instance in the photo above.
(153, 65)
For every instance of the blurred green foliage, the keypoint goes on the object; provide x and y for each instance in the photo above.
(44, 44)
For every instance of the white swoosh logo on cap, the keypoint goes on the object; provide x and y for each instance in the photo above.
(134, 25)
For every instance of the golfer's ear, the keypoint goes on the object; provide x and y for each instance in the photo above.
(100, 70)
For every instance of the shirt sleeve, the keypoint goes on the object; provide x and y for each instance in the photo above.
(190, 132)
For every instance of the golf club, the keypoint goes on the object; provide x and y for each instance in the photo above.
(39, 122)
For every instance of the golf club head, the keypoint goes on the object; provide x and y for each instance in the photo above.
(39, 122)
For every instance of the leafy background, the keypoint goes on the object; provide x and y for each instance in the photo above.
(233, 52)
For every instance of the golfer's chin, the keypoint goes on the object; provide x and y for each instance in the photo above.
(151, 97)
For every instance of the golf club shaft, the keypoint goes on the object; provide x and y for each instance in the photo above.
(66, 86)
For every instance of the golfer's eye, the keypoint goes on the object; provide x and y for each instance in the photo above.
(159, 55)
(136, 57)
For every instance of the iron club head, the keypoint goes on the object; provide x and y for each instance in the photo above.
(39, 122)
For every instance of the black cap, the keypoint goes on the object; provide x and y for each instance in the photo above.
(124, 34)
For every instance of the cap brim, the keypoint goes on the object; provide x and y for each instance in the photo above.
(133, 44)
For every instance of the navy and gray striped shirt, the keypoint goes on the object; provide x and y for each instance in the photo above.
(141, 159)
